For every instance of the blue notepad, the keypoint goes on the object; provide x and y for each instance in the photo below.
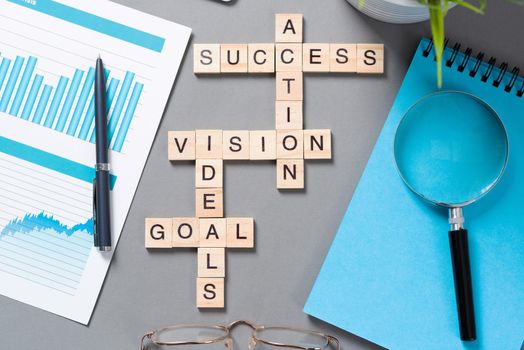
(388, 275)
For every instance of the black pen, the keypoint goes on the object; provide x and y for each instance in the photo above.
(101, 208)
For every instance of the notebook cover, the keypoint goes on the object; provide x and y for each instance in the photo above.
(388, 276)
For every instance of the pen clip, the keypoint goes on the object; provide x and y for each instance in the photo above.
(95, 231)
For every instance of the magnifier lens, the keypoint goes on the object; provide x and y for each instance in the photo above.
(448, 156)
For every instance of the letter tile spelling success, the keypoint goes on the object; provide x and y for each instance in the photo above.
(288, 144)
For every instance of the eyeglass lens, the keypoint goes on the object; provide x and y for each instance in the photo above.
(293, 337)
(189, 334)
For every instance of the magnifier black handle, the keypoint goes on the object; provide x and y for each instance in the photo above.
(458, 240)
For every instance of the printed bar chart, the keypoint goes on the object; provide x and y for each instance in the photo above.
(67, 107)
(62, 84)
(13, 77)
(24, 82)
(126, 122)
(44, 98)
(37, 82)
(4, 66)
(88, 85)
(90, 115)
(113, 121)
(48, 50)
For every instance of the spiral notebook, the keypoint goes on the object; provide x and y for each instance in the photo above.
(388, 277)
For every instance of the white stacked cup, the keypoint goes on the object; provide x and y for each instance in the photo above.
(393, 11)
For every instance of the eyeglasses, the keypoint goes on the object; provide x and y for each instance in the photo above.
(282, 337)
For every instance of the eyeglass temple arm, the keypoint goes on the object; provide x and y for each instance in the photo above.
(334, 340)
(147, 335)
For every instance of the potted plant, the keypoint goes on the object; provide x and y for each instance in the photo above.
(408, 11)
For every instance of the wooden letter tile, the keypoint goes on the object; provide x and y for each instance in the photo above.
(213, 233)
(261, 58)
(370, 58)
(288, 57)
(263, 145)
(343, 58)
(209, 202)
(208, 144)
(289, 115)
(186, 232)
(288, 28)
(233, 58)
(289, 86)
(316, 57)
(159, 232)
(235, 144)
(210, 292)
(181, 145)
(211, 262)
(317, 144)
(206, 58)
(290, 173)
(290, 144)
(240, 233)
(209, 173)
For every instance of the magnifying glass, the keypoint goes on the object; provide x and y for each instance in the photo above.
(451, 148)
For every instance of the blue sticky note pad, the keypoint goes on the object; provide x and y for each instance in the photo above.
(388, 276)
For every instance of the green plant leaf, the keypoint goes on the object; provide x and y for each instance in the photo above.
(436, 19)
(478, 9)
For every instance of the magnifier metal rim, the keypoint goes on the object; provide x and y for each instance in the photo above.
(497, 180)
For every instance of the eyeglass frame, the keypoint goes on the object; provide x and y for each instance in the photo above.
(227, 329)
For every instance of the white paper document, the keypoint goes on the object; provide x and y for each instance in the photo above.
(48, 51)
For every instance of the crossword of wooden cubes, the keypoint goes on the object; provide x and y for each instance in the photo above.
(288, 144)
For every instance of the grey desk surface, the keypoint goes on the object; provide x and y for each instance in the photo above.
(269, 285)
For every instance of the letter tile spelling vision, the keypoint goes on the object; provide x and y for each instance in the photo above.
(288, 144)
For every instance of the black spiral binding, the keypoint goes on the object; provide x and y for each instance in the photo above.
(491, 64)
(475, 69)
(502, 71)
(479, 59)
(453, 57)
(512, 81)
(467, 56)
(429, 48)
(520, 92)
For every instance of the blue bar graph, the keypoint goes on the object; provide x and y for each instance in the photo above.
(122, 96)
(57, 100)
(88, 86)
(67, 106)
(10, 86)
(3, 69)
(71, 94)
(90, 115)
(42, 104)
(130, 112)
(35, 88)
(22, 87)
